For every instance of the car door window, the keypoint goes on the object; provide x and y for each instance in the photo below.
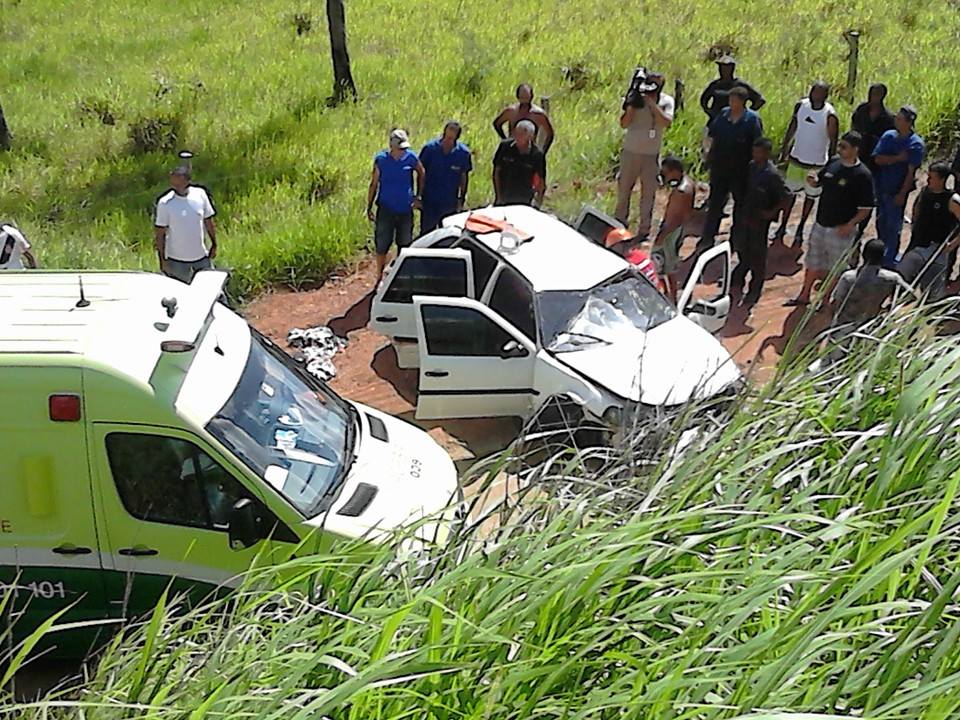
(484, 263)
(171, 481)
(444, 276)
(512, 298)
(456, 331)
(711, 285)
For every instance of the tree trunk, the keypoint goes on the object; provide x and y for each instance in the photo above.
(342, 77)
(4, 132)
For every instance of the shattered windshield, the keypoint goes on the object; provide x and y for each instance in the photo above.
(288, 428)
(577, 319)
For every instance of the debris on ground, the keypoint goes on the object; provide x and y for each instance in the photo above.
(317, 346)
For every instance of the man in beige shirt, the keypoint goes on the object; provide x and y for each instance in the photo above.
(640, 159)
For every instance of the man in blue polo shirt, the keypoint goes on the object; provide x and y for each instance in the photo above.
(447, 163)
(898, 155)
(391, 185)
(733, 133)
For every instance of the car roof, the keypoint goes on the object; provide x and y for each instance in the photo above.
(119, 328)
(557, 257)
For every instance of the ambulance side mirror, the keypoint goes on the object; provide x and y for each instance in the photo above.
(243, 529)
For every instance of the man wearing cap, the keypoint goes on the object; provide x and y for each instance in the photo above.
(715, 96)
(640, 158)
(184, 213)
(391, 186)
(524, 109)
(897, 155)
(447, 163)
(519, 169)
(810, 141)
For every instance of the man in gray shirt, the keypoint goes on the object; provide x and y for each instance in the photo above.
(640, 159)
(860, 294)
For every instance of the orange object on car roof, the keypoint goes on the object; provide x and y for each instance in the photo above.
(483, 224)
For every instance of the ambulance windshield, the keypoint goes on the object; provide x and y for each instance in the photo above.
(288, 428)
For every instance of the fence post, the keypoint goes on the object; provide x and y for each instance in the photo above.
(853, 40)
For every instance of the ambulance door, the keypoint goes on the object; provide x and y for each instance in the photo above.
(49, 556)
(168, 507)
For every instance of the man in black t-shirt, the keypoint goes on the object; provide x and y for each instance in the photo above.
(845, 201)
(934, 239)
(872, 119)
(519, 168)
(716, 96)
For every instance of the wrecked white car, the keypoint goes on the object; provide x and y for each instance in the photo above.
(506, 308)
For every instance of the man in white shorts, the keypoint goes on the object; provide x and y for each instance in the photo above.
(183, 214)
(846, 200)
(810, 141)
(15, 253)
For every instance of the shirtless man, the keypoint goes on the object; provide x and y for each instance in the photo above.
(679, 211)
(524, 109)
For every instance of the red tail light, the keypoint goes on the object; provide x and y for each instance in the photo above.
(65, 408)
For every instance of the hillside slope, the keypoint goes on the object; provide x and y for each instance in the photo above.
(89, 87)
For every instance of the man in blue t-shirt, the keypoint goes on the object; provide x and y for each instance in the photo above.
(391, 185)
(898, 155)
(447, 163)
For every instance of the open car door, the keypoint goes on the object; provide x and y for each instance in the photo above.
(473, 363)
(706, 296)
(417, 271)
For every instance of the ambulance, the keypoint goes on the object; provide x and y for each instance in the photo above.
(150, 438)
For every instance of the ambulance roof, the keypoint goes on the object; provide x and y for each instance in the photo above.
(121, 324)
(556, 257)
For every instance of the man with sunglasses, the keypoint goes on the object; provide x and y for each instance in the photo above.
(846, 199)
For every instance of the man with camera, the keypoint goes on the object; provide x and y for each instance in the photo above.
(647, 112)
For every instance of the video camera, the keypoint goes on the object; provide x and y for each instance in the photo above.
(640, 85)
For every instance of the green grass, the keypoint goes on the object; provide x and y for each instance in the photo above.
(289, 174)
(798, 563)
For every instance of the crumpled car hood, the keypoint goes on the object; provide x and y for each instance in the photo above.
(670, 364)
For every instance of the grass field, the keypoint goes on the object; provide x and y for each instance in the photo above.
(798, 564)
(235, 83)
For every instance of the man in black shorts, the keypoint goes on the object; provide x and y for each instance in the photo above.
(391, 186)
(846, 200)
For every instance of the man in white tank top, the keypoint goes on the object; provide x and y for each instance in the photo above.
(810, 141)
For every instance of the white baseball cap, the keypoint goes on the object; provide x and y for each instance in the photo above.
(399, 138)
